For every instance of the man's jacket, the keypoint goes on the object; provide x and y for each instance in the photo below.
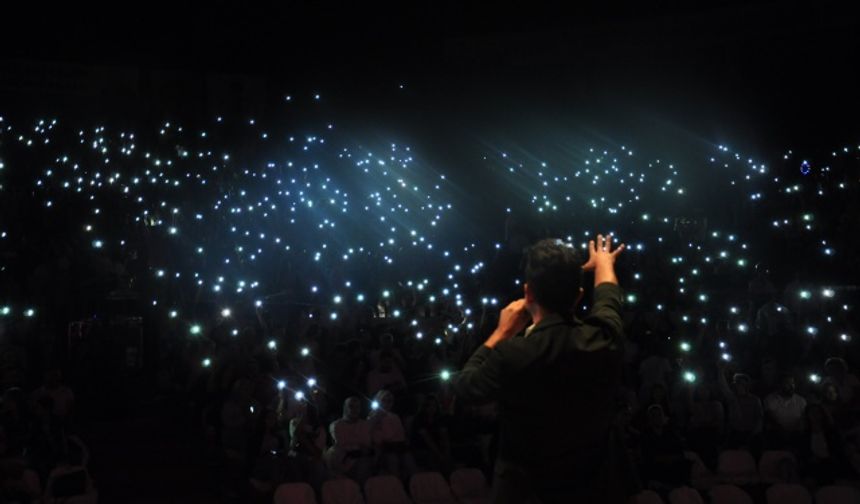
(556, 387)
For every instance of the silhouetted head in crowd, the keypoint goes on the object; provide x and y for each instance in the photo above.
(831, 393)
(553, 278)
(836, 369)
(786, 385)
(386, 341)
(656, 417)
(742, 384)
(352, 409)
(385, 398)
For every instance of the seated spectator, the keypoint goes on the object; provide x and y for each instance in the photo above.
(307, 446)
(786, 412)
(46, 440)
(430, 442)
(836, 408)
(267, 466)
(823, 451)
(237, 420)
(351, 454)
(745, 410)
(15, 419)
(657, 396)
(61, 394)
(389, 438)
(705, 425)
(385, 376)
(836, 371)
(653, 371)
(662, 451)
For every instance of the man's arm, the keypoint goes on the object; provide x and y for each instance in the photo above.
(606, 312)
(481, 377)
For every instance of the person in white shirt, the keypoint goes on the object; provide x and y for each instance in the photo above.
(389, 437)
(786, 411)
(352, 454)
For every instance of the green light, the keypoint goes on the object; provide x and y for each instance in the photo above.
(685, 347)
(689, 377)
(445, 375)
(6, 310)
(196, 329)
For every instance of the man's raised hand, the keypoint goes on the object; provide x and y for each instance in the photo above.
(600, 253)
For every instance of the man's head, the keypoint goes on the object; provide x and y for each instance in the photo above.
(352, 409)
(553, 277)
(786, 385)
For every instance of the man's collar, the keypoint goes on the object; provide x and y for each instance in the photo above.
(550, 320)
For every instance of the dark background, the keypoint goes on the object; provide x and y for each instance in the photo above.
(764, 76)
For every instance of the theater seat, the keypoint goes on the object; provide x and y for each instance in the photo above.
(295, 493)
(469, 486)
(737, 467)
(788, 493)
(385, 490)
(430, 488)
(685, 495)
(70, 484)
(835, 494)
(729, 494)
(646, 497)
(341, 491)
(701, 478)
(776, 466)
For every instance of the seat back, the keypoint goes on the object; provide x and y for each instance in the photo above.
(647, 497)
(469, 483)
(788, 493)
(430, 488)
(341, 491)
(836, 494)
(737, 466)
(385, 490)
(729, 494)
(294, 493)
(685, 495)
(776, 466)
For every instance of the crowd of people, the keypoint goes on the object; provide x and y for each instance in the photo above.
(314, 308)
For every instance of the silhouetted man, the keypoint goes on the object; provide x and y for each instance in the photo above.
(555, 380)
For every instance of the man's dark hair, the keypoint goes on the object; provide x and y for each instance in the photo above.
(553, 271)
